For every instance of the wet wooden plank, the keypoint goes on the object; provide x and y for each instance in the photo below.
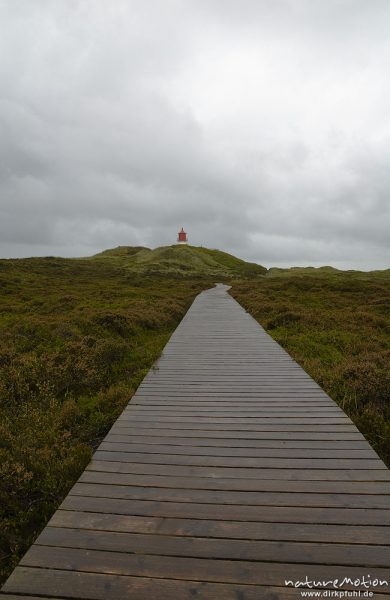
(366, 555)
(271, 463)
(98, 586)
(237, 413)
(238, 473)
(119, 446)
(220, 483)
(275, 514)
(230, 530)
(184, 568)
(212, 442)
(228, 497)
(277, 406)
(351, 434)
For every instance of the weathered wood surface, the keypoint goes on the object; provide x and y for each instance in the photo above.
(229, 472)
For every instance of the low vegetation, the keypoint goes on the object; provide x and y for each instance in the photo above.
(336, 325)
(76, 339)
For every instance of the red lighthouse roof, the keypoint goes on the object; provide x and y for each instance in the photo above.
(182, 236)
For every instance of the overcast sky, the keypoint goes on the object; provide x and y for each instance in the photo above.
(261, 126)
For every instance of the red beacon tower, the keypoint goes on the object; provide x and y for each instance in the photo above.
(182, 237)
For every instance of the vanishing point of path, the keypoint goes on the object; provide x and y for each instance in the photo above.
(229, 472)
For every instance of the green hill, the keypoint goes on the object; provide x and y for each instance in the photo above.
(326, 270)
(328, 273)
(180, 261)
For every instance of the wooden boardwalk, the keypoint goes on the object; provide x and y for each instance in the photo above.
(229, 472)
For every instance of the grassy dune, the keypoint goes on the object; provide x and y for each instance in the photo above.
(336, 325)
(179, 261)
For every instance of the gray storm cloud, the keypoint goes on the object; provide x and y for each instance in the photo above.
(262, 127)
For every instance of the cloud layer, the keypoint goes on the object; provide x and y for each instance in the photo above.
(262, 127)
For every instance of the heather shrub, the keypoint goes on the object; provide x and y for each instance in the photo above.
(76, 338)
(337, 327)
